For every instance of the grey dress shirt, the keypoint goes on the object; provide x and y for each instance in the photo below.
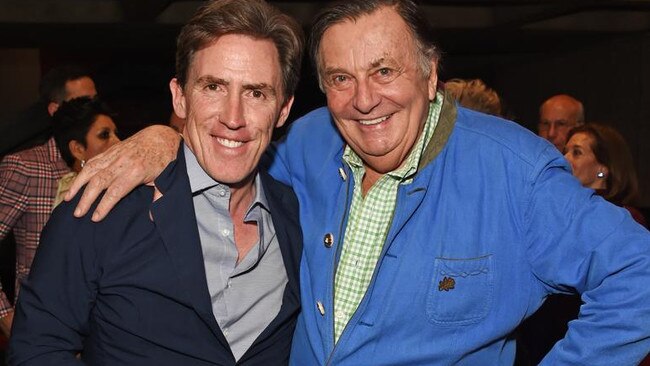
(246, 296)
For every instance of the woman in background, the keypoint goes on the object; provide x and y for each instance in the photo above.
(601, 160)
(83, 128)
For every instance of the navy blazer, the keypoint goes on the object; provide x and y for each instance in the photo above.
(132, 291)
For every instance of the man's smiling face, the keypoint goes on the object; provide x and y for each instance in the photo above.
(375, 87)
(232, 101)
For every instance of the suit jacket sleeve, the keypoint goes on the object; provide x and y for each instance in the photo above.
(52, 313)
(579, 242)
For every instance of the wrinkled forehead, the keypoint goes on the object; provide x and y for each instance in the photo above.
(380, 34)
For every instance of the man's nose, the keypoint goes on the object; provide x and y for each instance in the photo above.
(233, 114)
(366, 97)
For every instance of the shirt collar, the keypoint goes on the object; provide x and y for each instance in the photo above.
(200, 181)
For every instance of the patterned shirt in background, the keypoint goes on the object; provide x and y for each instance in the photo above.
(368, 225)
(28, 184)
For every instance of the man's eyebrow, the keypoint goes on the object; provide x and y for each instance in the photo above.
(373, 64)
(378, 62)
(209, 79)
(334, 70)
(261, 86)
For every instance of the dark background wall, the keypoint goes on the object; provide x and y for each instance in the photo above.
(610, 74)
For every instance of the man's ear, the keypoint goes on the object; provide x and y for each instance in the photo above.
(284, 112)
(178, 98)
(52, 107)
(433, 79)
(77, 150)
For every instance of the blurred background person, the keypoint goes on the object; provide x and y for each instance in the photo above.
(83, 128)
(29, 180)
(474, 94)
(601, 160)
(557, 116)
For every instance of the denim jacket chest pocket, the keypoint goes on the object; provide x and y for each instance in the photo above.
(460, 291)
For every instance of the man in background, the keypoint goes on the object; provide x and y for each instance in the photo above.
(557, 116)
(28, 181)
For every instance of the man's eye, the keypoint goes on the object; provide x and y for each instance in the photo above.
(339, 79)
(384, 71)
(257, 94)
(385, 75)
(212, 87)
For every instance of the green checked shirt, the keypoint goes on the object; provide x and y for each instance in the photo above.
(368, 224)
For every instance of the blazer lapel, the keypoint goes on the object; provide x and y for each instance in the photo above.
(284, 212)
(175, 220)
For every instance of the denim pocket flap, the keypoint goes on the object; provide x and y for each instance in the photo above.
(460, 291)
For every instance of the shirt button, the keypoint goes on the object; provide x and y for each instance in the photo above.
(225, 232)
(229, 285)
(222, 193)
(328, 240)
(340, 314)
(225, 331)
(321, 308)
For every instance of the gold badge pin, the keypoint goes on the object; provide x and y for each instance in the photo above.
(446, 284)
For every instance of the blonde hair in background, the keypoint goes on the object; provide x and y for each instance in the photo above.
(474, 94)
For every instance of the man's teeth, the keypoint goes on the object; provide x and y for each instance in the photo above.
(229, 143)
(369, 122)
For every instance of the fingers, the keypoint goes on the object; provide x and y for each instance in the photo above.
(112, 171)
(99, 182)
(90, 169)
(113, 195)
(136, 160)
(118, 180)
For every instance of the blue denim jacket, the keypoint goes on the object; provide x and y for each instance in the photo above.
(492, 223)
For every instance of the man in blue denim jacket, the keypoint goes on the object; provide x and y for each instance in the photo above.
(431, 231)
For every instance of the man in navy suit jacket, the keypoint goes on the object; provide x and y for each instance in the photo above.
(208, 273)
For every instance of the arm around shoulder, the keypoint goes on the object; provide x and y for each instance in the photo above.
(126, 165)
